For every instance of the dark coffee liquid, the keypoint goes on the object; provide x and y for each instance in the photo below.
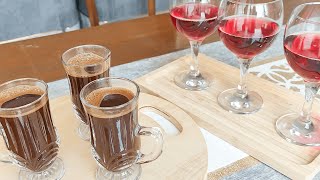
(114, 138)
(111, 100)
(76, 84)
(20, 101)
(31, 138)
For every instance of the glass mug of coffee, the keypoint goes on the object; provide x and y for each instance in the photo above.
(84, 64)
(28, 130)
(112, 108)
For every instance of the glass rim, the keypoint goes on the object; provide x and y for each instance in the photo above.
(271, 2)
(85, 102)
(304, 19)
(33, 102)
(85, 45)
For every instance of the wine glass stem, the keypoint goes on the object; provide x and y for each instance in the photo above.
(242, 86)
(311, 90)
(194, 65)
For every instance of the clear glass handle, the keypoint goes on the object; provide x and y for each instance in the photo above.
(155, 133)
(4, 157)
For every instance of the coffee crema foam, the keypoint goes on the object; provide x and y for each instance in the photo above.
(17, 91)
(86, 64)
(20, 90)
(85, 59)
(95, 98)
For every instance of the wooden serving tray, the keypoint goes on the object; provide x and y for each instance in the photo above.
(254, 134)
(184, 155)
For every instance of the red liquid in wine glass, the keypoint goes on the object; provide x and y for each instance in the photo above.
(196, 21)
(303, 54)
(247, 36)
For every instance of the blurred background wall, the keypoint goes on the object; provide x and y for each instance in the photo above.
(33, 18)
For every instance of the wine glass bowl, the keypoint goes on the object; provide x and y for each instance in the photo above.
(253, 37)
(247, 28)
(195, 20)
(302, 51)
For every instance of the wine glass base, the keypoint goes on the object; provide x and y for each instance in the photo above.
(54, 171)
(290, 128)
(84, 131)
(231, 101)
(186, 80)
(131, 173)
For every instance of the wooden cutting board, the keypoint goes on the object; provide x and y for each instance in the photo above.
(184, 154)
(254, 134)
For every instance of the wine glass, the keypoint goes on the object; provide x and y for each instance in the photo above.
(247, 28)
(302, 51)
(196, 20)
